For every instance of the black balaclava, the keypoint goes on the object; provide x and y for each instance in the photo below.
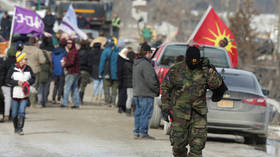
(193, 57)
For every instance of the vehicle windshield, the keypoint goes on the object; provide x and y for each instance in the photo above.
(216, 56)
(241, 82)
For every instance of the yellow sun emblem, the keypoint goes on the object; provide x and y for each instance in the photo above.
(221, 40)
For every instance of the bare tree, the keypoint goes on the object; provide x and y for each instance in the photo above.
(244, 33)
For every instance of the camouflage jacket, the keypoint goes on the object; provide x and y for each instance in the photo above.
(184, 89)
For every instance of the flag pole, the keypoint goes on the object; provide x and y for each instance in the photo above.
(199, 24)
(12, 28)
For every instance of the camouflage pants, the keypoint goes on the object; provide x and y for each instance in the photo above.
(110, 91)
(83, 81)
(191, 132)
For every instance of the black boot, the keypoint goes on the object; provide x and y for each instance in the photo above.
(82, 97)
(20, 125)
(15, 122)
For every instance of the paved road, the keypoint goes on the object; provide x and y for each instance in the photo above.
(96, 131)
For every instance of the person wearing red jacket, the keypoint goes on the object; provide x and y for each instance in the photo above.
(72, 64)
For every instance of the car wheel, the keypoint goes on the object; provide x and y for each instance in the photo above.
(156, 117)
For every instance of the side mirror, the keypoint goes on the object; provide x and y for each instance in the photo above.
(265, 92)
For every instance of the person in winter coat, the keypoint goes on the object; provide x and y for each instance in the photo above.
(94, 55)
(82, 22)
(36, 58)
(125, 64)
(128, 79)
(20, 76)
(72, 64)
(5, 26)
(58, 76)
(122, 95)
(49, 21)
(108, 71)
(6, 63)
(85, 68)
(44, 80)
(145, 88)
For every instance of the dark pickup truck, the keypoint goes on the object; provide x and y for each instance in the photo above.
(97, 13)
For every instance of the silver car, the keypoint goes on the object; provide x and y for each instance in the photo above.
(243, 109)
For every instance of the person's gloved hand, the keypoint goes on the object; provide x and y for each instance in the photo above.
(25, 88)
(167, 115)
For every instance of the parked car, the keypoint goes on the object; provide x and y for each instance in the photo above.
(3, 45)
(164, 57)
(243, 109)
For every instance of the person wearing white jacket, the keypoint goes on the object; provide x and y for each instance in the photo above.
(20, 77)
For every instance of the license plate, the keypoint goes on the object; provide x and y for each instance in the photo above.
(225, 103)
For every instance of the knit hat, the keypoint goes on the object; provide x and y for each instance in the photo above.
(20, 55)
(192, 57)
(145, 47)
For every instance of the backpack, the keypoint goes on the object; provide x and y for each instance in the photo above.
(107, 67)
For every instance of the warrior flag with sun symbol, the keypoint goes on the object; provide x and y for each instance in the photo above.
(211, 30)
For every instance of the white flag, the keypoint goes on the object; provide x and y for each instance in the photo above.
(69, 24)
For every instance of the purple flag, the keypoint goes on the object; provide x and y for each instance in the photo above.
(27, 21)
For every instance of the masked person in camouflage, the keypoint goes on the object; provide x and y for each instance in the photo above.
(184, 100)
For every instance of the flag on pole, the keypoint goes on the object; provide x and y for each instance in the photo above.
(26, 21)
(211, 30)
(69, 24)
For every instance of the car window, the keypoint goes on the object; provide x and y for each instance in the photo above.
(216, 56)
(171, 52)
(244, 82)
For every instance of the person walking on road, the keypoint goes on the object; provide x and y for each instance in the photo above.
(94, 55)
(72, 64)
(57, 56)
(125, 65)
(85, 68)
(145, 88)
(44, 79)
(36, 58)
(108, 71)
(184, 102)
(20, 77)
(5, 65)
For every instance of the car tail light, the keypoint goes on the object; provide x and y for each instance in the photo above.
(161, 75)
(255, 101)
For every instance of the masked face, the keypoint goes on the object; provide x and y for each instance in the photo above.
(193, 58)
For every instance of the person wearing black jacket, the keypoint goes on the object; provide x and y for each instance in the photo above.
(5, 25)
(85, 68)
(128, 69)
(122, 96)
(94, 56)
(5, 64)
(49, 21)
(125, 64)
